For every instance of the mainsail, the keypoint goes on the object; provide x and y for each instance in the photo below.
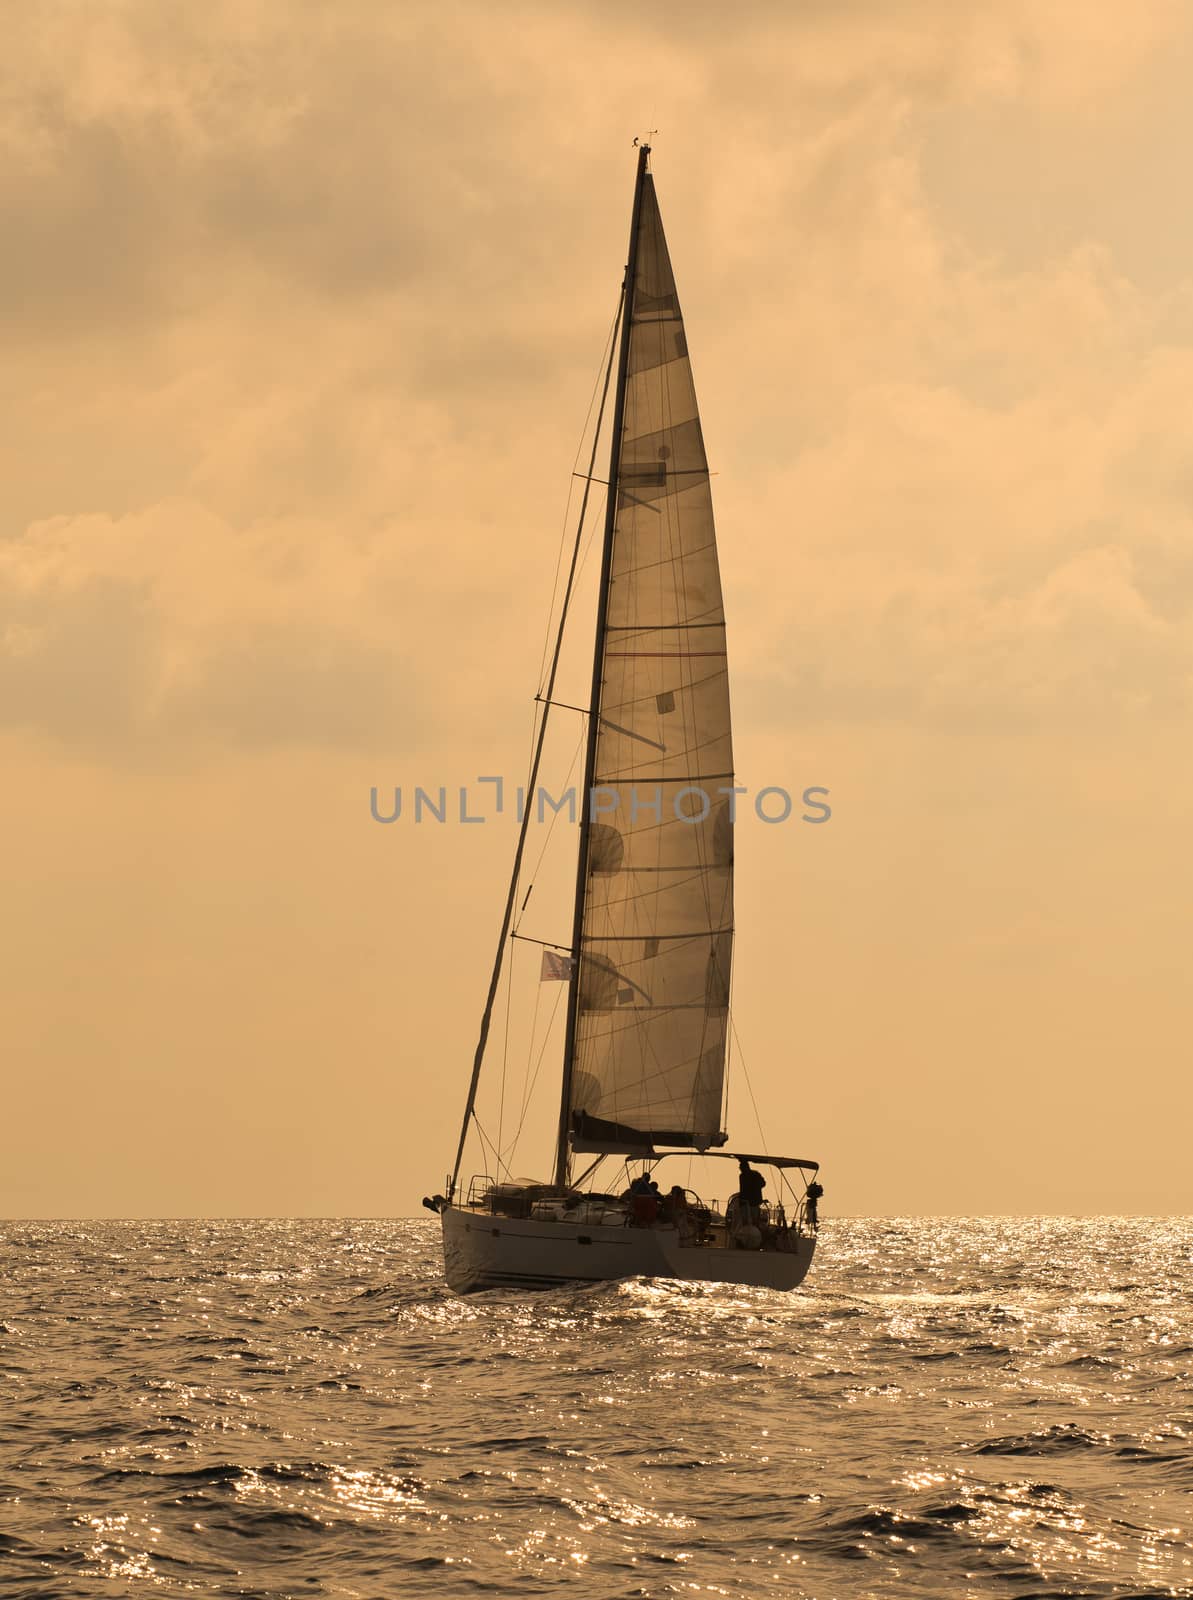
(646, 1056)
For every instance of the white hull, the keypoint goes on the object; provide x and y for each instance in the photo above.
(481, 1251)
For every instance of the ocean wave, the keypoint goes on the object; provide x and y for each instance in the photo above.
(261, 1412)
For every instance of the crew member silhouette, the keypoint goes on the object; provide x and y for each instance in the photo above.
(814, 1192)
(750, 1185)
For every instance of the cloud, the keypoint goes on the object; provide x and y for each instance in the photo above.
(304, 320)
(957, 564)
(122, 635)
(302, 310)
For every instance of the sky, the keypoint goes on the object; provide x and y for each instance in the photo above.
(303, 307)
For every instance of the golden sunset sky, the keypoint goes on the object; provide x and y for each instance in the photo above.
(303, 308)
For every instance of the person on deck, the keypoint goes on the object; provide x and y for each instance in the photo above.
(678, 1212)
(750, 1185)
(814, 1192)
(644, 1200)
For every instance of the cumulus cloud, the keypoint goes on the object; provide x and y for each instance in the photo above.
(303, 321)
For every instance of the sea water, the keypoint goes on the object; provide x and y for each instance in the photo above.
(952, 1407)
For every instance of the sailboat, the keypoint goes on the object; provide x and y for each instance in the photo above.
(648, 962)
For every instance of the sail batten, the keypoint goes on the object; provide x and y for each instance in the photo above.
(655, 943)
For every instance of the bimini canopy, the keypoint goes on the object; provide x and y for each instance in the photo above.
(770, 1161)
(641, 1152)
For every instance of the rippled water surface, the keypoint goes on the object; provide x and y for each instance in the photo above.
(953, 1408)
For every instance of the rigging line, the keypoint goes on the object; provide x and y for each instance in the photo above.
(505, 1048)
(488, 1148)
(538, 1064)
(606, 361)
(511, 897)
(531, 1080)
(530, 749)
(547, 840)
(749, 1086)
(567, 515)
(728, 1061)
(591, 539)
(588, 1172)
(493, 1151)
(512, 1149)
(730, 1034)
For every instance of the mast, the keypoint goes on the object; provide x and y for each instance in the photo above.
(594, 712)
